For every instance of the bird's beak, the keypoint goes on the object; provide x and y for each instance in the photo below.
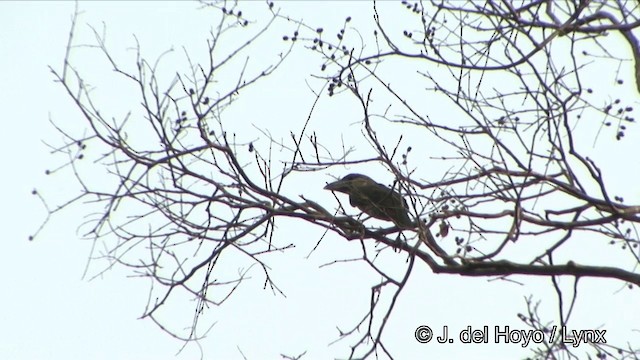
(336, 186)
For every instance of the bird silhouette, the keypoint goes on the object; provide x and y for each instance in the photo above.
(374, 199)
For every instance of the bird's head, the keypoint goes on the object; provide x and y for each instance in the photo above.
(349, 183)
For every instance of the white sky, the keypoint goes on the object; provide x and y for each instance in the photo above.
(49, 312)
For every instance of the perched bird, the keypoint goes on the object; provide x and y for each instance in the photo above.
(373, 199)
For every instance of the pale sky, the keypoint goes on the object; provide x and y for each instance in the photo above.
(49, 311)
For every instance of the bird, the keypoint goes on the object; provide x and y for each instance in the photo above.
(374, 199)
